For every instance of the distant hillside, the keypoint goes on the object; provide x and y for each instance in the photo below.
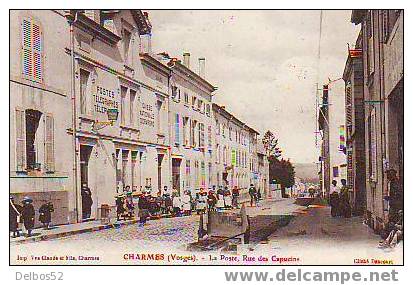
(306, 171)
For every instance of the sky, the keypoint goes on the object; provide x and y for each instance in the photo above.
(265, 65)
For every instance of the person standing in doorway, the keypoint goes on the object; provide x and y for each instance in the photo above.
(28, 215)
(87, 202)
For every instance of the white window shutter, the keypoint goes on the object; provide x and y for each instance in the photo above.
(49, 143)
(20, 140)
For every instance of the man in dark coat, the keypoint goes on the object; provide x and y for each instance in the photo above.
(120, 208)
(45, 214)
(14, 216)
(28, 215)
(395, 195)
(143, 205)
(86, 202)
(211, 199)
(253, 194)
(345, 208)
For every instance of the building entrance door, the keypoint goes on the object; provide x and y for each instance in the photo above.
(176, 174)
(85, 151)
(160, 159)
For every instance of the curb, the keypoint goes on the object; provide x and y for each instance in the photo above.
(51, 236)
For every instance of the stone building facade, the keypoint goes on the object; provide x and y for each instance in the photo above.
(382, 47)
(236, 150)
(355, 134)
(165, 133)
(40, 117)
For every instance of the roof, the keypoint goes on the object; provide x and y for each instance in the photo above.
(176, 64)
(228, 115)
(155, 63)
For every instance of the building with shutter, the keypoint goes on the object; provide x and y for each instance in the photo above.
(355, 142)
(167, 131)
(236, 156)
(40, 117)
(383, 78)
(191, 121)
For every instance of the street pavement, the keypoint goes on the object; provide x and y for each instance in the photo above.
(321, 239)
(311, 237)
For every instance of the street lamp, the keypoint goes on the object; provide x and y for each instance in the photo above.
(112, 114)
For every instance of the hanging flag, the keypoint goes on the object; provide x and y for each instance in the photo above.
(342, 138)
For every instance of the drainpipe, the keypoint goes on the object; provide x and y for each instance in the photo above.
(72, 20)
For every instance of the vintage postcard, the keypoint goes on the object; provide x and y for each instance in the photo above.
(206, 137)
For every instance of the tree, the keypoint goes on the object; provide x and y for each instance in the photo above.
(270, 144)
(282, 171)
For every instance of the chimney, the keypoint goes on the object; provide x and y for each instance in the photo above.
(201, 70)
(146, 44)
(187, 56)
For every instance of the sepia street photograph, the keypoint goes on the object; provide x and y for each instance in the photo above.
(206, 137)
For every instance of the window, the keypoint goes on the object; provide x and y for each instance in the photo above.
(192, 132)
(32, 118)
(84, 79)
(218, 130)
(372, 145)
(201, 134)
(186, 97)
(126, 44)
(230, 133)
(203, 174)
(201, 106)
(125, 158)
(218, 153)
(196, 174)
(335, 171)
(32, 51)
(134, 155)
(123, 92)
(132, 95)
(193, 102)
(185, 131)
(188, 173)
(208, 110)
(209, 137)
(174, 92)
(177, 129)
(158, 116)
(370, 43)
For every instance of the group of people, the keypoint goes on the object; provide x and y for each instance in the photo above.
(393, 202)
(339, 200)
(181, 205)
(26, 213)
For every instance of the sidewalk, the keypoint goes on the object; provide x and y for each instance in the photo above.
(40, 234)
